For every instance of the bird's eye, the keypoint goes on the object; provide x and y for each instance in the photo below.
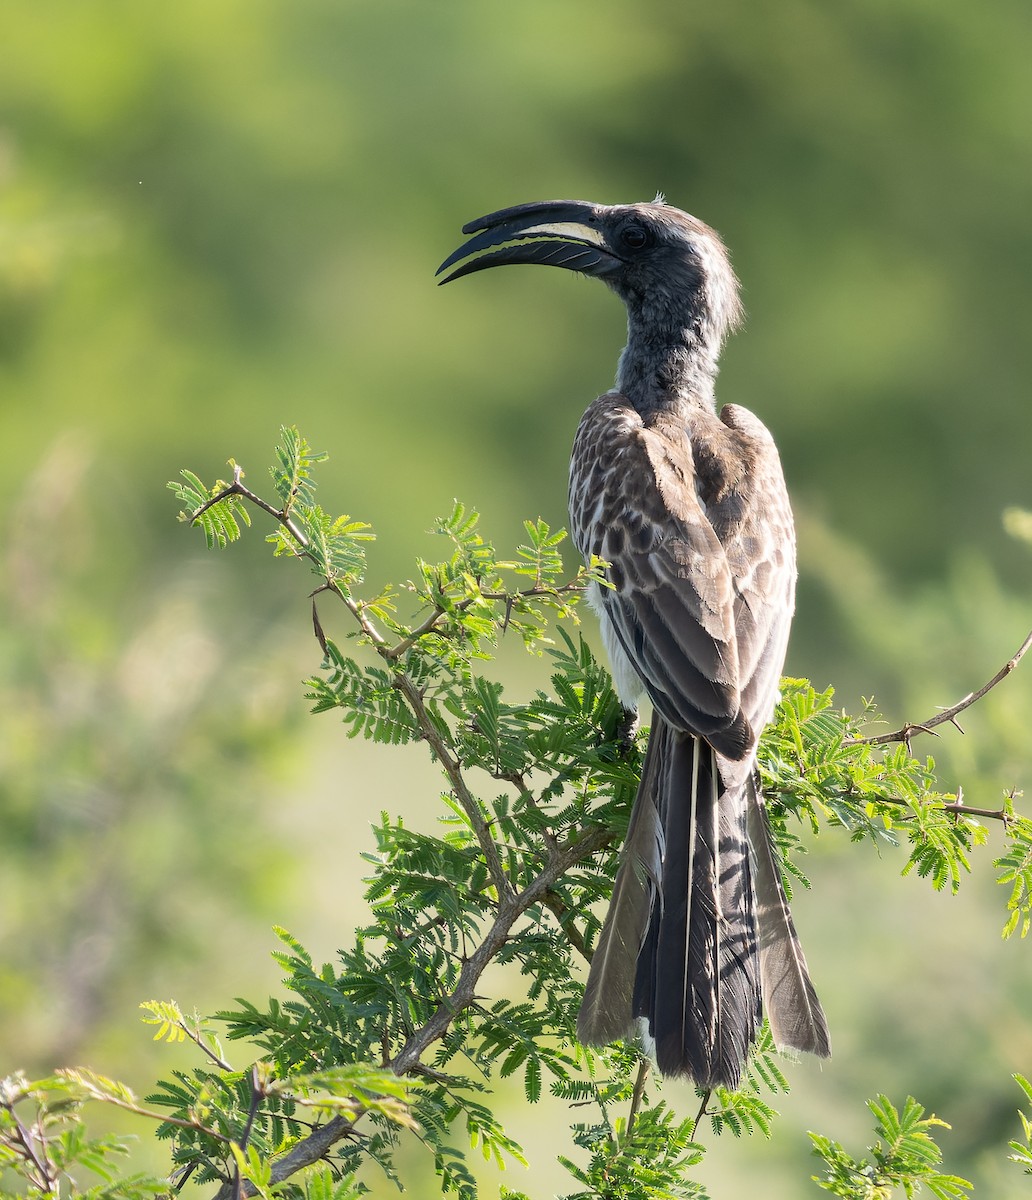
(634, 237)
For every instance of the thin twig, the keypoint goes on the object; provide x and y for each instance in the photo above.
(907, 731)
(257, 1095)
(644, 1067)
(531, 801)
(432, 735)
(195, 1036)
(702, 1111)
(94, 1091)
(236, 488)
(558, 864)
(957, 808)
(990, 814)
(453, 769)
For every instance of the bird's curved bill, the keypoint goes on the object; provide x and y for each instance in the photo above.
(557, 233)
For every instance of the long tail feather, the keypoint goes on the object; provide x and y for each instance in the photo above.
(606, 1012)
(793, 1010)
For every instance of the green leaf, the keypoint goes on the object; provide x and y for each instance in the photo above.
(292, 473)
(221, 522)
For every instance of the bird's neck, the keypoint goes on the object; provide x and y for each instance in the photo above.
(663, 368)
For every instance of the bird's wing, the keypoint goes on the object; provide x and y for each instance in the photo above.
(634, 503)
(697, 566)
(754, 524)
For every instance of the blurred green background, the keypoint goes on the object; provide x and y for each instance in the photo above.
(223, 215)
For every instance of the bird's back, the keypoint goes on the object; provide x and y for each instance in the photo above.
(690, 510)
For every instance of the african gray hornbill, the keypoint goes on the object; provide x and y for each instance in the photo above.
(688, 508)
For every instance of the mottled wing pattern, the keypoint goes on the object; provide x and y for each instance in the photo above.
(753, 522)
(692, 515)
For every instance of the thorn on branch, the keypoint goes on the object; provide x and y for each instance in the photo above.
(320, 635)
(180, 1176)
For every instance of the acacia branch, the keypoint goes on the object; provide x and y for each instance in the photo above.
(907, 731)
(401, 679)
(319, 1143)
(567, 856)
(1004, 815)
(94, 1089)
(194, 1034)
(431, 734)
(578, 584)
(236, 488)
(428, 728)
(989, 814)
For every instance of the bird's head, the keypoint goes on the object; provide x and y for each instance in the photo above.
(670, 269)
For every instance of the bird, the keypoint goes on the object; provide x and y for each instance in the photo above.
(688, 509)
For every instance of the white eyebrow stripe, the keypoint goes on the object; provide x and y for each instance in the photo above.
(570, 229)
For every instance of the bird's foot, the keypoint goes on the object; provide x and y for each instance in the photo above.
(626, 730)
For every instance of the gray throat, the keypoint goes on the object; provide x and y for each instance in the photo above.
(668, 369)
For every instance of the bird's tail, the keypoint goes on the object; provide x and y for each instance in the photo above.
(698, 927)
(796, 1018)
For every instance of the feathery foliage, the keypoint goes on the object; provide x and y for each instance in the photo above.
(905, 1158)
